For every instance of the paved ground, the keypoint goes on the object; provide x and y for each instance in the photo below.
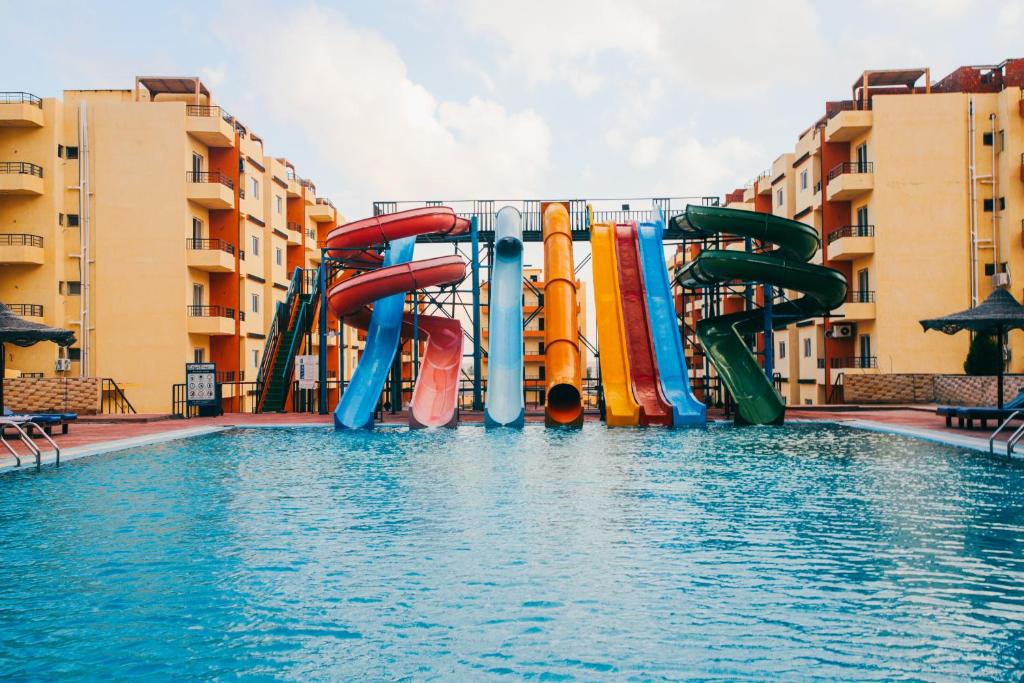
(94, 432)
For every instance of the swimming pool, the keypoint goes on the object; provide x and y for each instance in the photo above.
(807, 550)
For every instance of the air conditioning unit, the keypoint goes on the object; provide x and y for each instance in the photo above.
(1001, 280)
(63, 365)
(843, 331)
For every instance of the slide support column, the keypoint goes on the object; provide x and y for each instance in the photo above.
(322, 352)
(474, 232)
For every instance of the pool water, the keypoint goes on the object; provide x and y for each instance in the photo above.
(795, 552)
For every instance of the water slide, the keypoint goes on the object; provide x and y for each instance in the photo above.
(504, 406)
(668, 342)
(785, 267)
(620, 407)
(654, 406)
(564, 404)
(435, 396)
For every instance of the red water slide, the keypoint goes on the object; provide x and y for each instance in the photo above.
(654, 408)
(435, 395)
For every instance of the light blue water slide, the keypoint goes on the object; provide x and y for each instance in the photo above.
(356, 408)
(504, 405)
(668, 343)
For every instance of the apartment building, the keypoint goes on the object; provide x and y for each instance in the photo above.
(917, 191)
(533, 331)
(156, 226)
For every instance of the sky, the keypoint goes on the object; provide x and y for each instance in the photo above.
(461, 99)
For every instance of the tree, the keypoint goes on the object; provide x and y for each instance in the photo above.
(984, 357)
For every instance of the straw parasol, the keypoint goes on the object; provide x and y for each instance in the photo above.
(21, 332)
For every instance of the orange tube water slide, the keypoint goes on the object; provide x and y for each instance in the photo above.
(564, 405)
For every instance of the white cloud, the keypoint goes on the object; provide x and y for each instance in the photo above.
(710, 168)
(645, 152)
(349, 90)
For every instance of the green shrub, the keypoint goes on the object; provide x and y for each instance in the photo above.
(984, 357)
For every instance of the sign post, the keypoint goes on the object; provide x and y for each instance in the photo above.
(201, 388)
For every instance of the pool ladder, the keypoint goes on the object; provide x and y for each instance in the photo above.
(1017, 435)
(26, 439)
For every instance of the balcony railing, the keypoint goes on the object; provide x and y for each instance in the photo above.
(210, 243)
(851, 231)
(20, 98)
(290, 173)
(204, 110)
(311, 233)
(817, 187)
(864, 362)
(20, 239)
(27, 310)
(208, 311)
(295, 227)
(851, 167)
(860, 296)
(325, 201)
(21, 167)
(210, 177)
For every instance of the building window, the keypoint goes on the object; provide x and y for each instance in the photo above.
(255, 358)
(197, 228)
(862, 216)
(279, 203)
(197, 163)
(254, 186)
(198, 355)
(807, 347)
(803, 180)
(70, 288)
(779, 196)
(255, 251)
(540, 347)
(782, 349)
(533, 278)
(990, 268)
(197, 294)
(540, 324)
(255, 303)
(279, 256)
(540, 372)
(1002, 204)
(75, 354)
(70, 152)
(986, 139)
(72, 220)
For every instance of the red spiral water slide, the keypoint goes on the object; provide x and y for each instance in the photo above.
(435, 395)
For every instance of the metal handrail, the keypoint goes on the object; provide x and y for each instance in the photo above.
(851, 231)
(25, 439)
(210, 243)
(20, 239)
(204, 110)
(1000, 428)
(49, 440)
(20, 98)
(209, 177)
(210, 311)
(851, 167)
(21, 167)
(30, 310)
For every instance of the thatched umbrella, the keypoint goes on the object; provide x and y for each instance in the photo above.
(20, 332)
(997, 314)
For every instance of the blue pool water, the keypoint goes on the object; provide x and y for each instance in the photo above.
(796, 552)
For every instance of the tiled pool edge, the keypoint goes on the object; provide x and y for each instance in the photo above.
(973, 443)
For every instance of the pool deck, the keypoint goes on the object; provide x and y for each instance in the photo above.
(92, 435)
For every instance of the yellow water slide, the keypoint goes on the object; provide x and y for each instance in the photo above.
(620, 406)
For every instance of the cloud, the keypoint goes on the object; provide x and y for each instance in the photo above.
(645, 152)
(711, 168)
(348, 89)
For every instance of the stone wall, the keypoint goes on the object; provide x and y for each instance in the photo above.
(961, 390)
(53, 394)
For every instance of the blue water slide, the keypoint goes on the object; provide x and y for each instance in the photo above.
(356, 408)
(668, 343)
(504, 406)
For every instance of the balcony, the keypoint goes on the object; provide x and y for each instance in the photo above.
(211, 320)
(322, 211)
(21, 249)
(294, 232)
(850, 242)
(211, 189)
(21, 178)
(850, 179)
(212, 126)
(848, 124)
(211, 255)
(32, 312)
(310, 191)
(294, 186)
(20, 109)
(859, 305)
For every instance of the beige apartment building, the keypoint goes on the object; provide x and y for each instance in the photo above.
(917, 191)
(156, 226)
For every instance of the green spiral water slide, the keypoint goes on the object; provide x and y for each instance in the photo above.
(785, 267)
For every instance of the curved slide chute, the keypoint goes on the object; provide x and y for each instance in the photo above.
(654, 406)
(620, 406)
(563, 406)
(434, 399)
(824, 289)
(668, 343)
(504, 406)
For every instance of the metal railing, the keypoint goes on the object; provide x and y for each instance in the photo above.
(21, 168)
(15, 97)
(836, 391)
(861, 362)
(311, 233)
(324, 201)
(31, 310)
(113, 399)
(851, 167)
(210, 311)
(242, 399)
(20, 239)
(210, 243)
(851, 231)
(295, 227)
(860, 296)
(210, 177)
(205, 110)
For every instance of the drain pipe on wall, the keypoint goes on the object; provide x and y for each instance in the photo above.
(972, 198)
(85, 229)
(995, 195)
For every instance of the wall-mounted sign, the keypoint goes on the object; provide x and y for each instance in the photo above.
(307, 371)
(201, 384)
